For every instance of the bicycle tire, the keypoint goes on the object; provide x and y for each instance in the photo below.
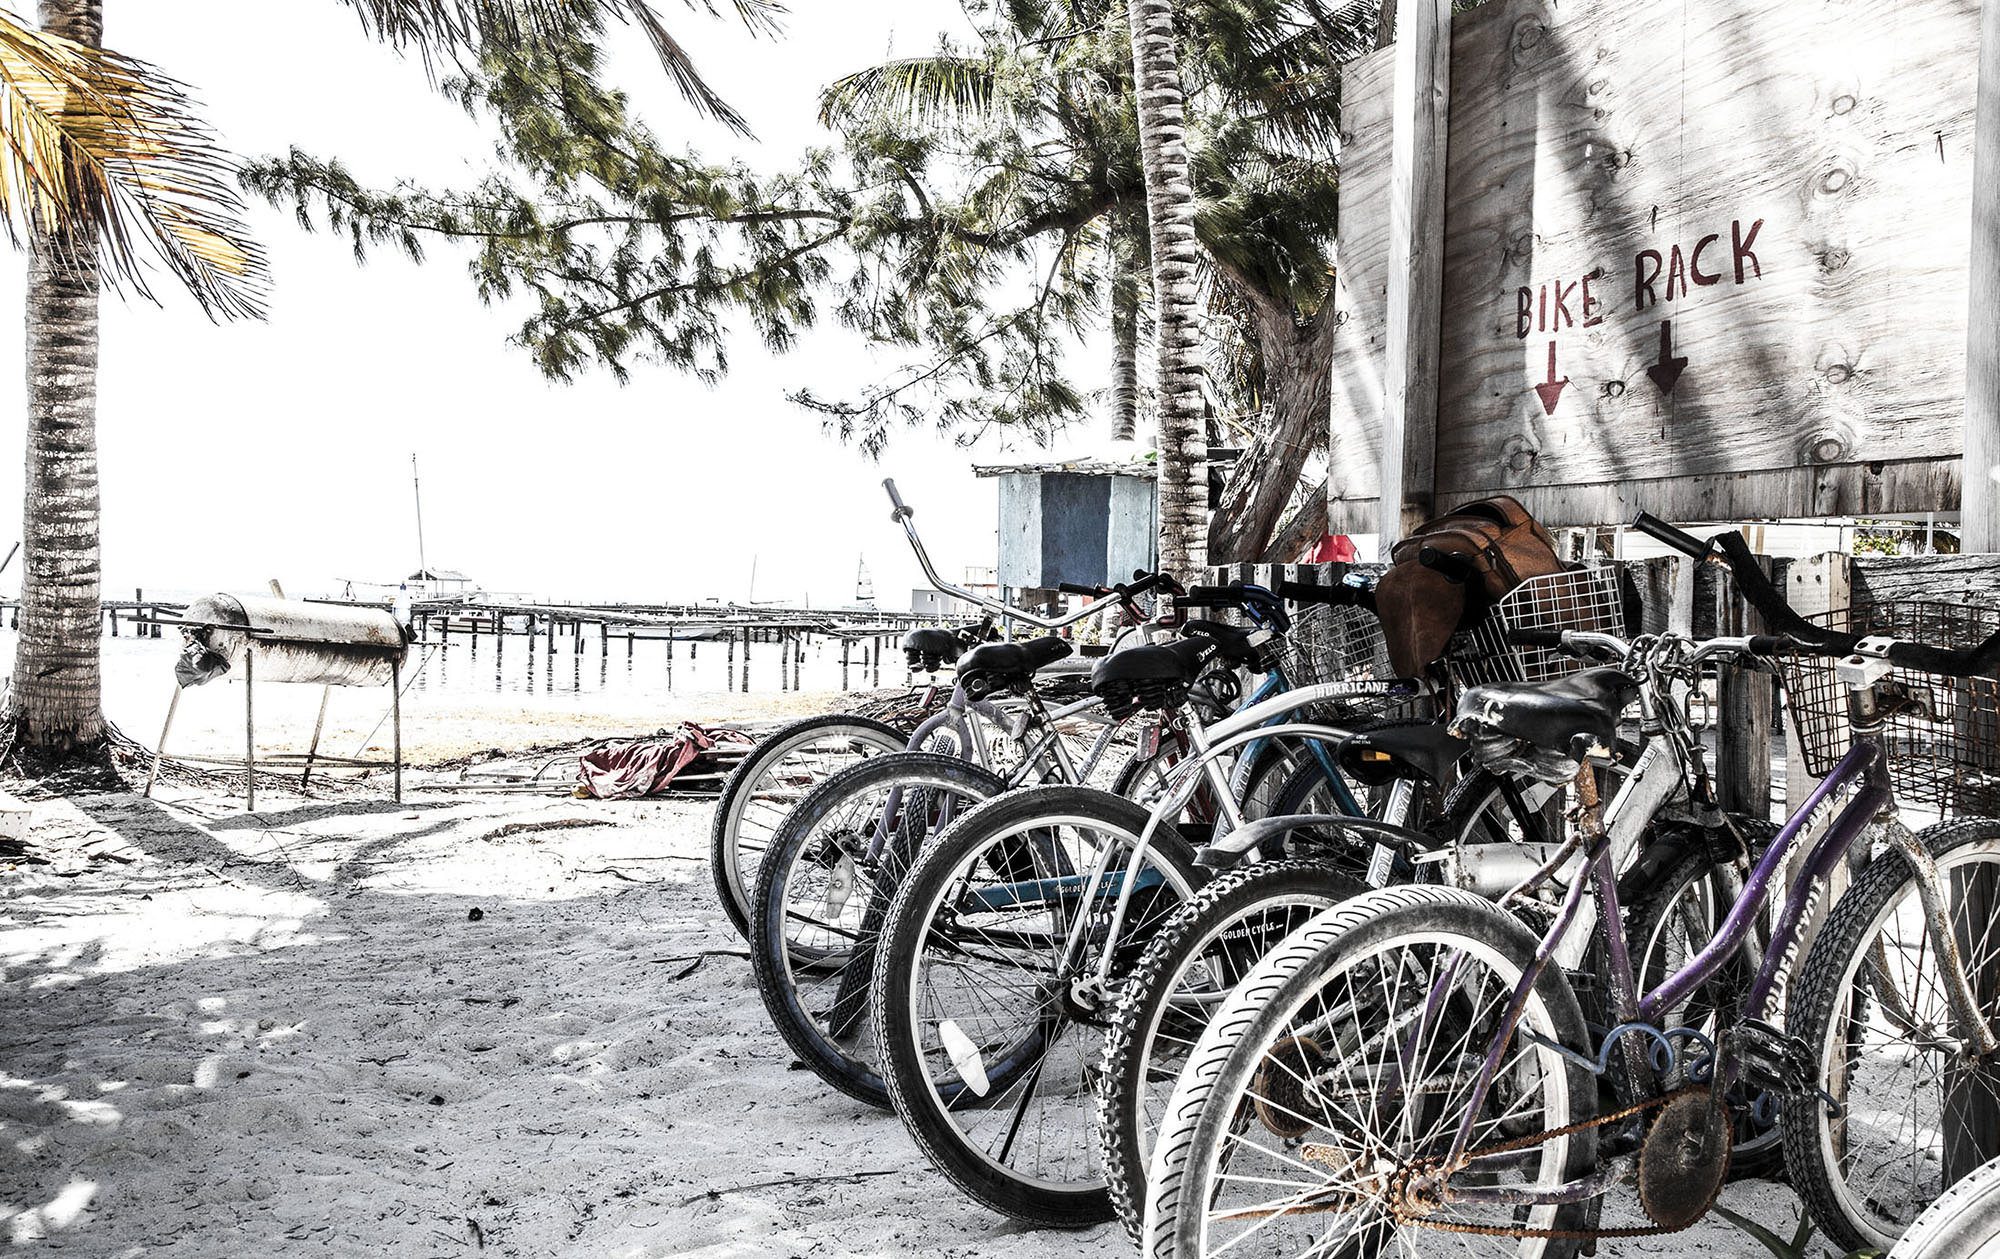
(1833, 963)
(1124, 1130)
(1964, 1223)
(926, 1105)
(1221, 1077)
(778, 960)
(740, 792)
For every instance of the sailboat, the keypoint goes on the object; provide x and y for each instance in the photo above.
(425, 583)
(864, 587)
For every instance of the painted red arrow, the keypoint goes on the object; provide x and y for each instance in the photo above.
(1551, 392)
(1667, 371)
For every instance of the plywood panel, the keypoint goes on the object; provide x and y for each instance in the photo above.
(1741, 230)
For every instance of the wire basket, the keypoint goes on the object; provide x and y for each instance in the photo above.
(1328, 644)
(1577, 599)
(1942, 736)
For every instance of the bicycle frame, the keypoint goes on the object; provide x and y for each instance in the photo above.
(1864, 770)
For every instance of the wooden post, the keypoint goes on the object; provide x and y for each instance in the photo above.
(746, 660)
(1814, 586)
(845, 647)
(1745, 702)
(250, 726)
(396, 721)
(1980, 500)
(1420, 113)
(552, 642)
(319, 724)
(729, 667)
(670, 659)
(112, 615)
(1972, 1128)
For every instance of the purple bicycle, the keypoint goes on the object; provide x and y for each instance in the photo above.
(1411, 1070)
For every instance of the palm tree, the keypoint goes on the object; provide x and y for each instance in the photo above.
(1170, 205)
(104, 170)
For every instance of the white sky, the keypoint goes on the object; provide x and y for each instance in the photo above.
(245, 452)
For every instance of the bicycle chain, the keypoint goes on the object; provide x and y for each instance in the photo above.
(1538, 1138)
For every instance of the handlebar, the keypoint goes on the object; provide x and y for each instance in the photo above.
(1342, 596)
(903, 509)
(1796, 635)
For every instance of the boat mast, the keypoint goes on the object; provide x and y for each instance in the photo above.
(416, 487)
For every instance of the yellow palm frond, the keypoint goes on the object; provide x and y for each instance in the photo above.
(104, 150)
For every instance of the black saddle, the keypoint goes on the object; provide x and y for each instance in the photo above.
(1252, 649)
(992, 668)
(1426, 750)
(1155, 676)
(1544, 729)
(931, 649)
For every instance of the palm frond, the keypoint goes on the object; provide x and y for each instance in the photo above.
(454, 29)
(942, 87)
(104, 148)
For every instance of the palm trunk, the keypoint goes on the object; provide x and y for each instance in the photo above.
(57, 695)
(1127, 263)
(1183, 449)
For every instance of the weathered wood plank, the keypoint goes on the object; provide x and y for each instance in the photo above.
(1962, 579)
(1980, 518)
(1419, 112)
(1777, 193)
(1361, 296)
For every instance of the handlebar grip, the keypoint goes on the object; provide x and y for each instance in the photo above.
(896, 500)
(1453, 567)
(1679, 539)
(1336, 596)
(1773, 645)
(1089, 592)
(1548, 638)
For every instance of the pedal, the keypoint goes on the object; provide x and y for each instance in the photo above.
(1773, 1061)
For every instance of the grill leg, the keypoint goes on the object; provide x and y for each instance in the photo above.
(173, 703)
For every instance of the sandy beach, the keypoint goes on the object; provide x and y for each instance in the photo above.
(460, 1026)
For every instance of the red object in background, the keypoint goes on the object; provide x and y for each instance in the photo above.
(1334, 548)
(636, 768)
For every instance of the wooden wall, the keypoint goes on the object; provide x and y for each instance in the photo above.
(1739, 226)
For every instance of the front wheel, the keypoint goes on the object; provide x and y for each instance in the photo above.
(1871, 1010)
(985, 997)
(824, 890)
(1336, 1076)
(1184, 975)
(768, 783)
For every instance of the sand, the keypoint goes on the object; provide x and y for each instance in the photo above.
(460, 1026)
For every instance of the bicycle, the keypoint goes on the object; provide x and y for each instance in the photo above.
(1413, 1062)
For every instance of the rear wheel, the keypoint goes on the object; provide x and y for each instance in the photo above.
(984, 991)
(824, 892)
(764, 787)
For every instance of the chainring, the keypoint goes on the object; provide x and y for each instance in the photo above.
(1684, 1161)
(1281, 1087)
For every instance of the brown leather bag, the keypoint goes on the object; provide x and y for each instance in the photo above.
(1484, 549)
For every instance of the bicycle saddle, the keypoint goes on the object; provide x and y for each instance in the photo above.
(931, 649)
(1235, 644)
(1429, 751)
(991, 668)
(1544, 729)
(1155, 676)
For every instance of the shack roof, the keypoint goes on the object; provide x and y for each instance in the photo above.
(1078, 467)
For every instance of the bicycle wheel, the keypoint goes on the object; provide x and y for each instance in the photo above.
(824, 890)
(762, 789)
(982, 991)
(1871, 1010)
(1201, 954)
(1311, 1108)
(1963, 1224)
(1669, 923)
